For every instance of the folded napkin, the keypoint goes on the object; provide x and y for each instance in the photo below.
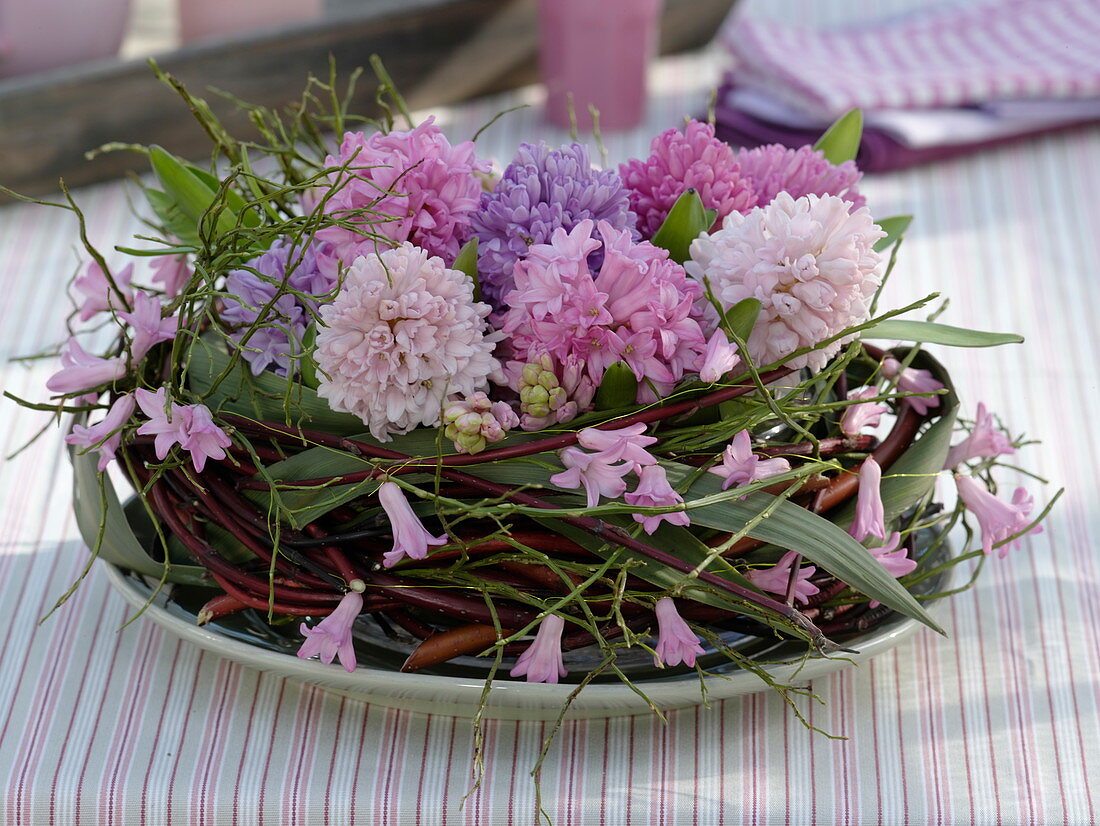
(932, 84)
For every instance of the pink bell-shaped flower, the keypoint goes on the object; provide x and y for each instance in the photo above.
(676, 642)
(410, 538)
(984, 442)
(541, 662)
(869, 519)
(331, 637)
(998, 520)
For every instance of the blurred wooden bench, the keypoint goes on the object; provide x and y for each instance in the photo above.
(437, 51)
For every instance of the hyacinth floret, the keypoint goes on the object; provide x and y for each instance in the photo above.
(809, 261)
(404, 186)
(542, 190)
(313, 271)
(403, 335)
(640, 309)
(476, 421)
(678, 161)
(804, 171)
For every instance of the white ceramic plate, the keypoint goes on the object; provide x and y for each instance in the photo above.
(509, 700)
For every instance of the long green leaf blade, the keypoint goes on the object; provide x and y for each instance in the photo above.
(929, 332)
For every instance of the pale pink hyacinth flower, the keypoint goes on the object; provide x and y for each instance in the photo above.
(104, 437)
(542, 662)
(810, 263)
(998, 520)
(720, 358)
(676, 642)
(98, 293)
(82, 371)
(191, 426)
(654, 491)
(625, 443)
(894, 559)
(148, 326)
(740, 465)
(912, 380)
(985, 441)
(172, 273)
(870, 517)
(598, 475)
(865, 414)
(410, 537)
(775, 579)
(331, 637)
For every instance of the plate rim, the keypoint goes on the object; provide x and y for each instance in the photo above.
(458, 696)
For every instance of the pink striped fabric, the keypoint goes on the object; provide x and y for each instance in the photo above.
(997, 724)
(945, 56)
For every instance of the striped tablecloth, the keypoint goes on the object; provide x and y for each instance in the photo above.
(101, 723)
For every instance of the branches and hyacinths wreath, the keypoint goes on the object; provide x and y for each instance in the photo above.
(554, 417)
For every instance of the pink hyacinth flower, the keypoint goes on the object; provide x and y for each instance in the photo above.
(104, 437)
(858, 416)
(190, 426)
(912, 380)
(541, 662)
(410, 538)
(998, 520)
(870, 516)
(676, 642)
(775, 579)
(654, 491)
(894, 558)
(331, 637)
(985, 441)
(98, 293)
(164, 422)
(740, 465)
(172, 273)
(81, 371)
(626, 443)
(592, 470)
(720, 358)
(200, 436)
(149, 328)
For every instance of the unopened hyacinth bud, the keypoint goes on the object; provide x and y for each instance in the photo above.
(476, 421)
(542, 399)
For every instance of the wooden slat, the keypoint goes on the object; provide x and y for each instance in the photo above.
(437, 51)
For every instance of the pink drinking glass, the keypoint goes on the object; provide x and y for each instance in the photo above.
(598, 50)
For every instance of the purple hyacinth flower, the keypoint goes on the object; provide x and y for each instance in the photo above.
(740, 465)
(865, 414)
(676, 642)
(331, 637)
(542, 662)
(542, 190)
(148, 326)
(627, 443)
(775, 579)
(720, 358)
(98, 293)
(912, 380)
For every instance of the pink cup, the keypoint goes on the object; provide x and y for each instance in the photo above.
(38, 35)
(598, 50)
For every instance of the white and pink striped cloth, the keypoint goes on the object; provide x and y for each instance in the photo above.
(998, 724)
(941, 56)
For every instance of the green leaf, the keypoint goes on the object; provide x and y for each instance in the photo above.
(466, 261)
(120, 545)
(741, 317)
(187, 190)
(249, 217)
(175, 222)
(686, 221)
(307, 366)
(266, 397)
(932, 333)
(894, 228)
(618, 388)
(840, 142)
